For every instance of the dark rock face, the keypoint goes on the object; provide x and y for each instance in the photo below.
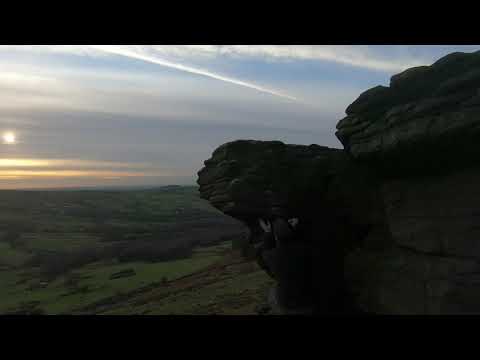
(421, 136)
(250, 179)
(427, 120)
(392, 221)
(434, 265)
(337, 204)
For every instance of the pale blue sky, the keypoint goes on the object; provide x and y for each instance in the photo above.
(134, 115)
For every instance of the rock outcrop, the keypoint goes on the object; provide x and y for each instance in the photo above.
(427, 121)
(258, 179)
(400, 201)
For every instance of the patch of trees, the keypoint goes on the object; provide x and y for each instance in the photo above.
(55, 263)
(164, 243)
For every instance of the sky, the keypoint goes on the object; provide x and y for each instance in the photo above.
(129, 115)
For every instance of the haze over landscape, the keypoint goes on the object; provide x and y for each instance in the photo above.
(77, 115)
(239, 179)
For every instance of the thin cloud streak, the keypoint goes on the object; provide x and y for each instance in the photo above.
(135, 55)
(360, 56)
(372, 57)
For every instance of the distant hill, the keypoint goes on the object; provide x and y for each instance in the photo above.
(109, 188)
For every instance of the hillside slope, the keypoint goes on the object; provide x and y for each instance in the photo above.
(230, 286)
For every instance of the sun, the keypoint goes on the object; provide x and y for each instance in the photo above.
(9, 138)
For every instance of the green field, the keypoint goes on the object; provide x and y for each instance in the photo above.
(92, 282)
(230, 286)
(120, 252)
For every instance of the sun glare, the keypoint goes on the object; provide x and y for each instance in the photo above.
(9, 138)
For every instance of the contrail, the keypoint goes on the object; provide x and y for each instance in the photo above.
(189, 69)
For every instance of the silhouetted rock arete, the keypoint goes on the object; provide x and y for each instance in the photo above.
(392, 220)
